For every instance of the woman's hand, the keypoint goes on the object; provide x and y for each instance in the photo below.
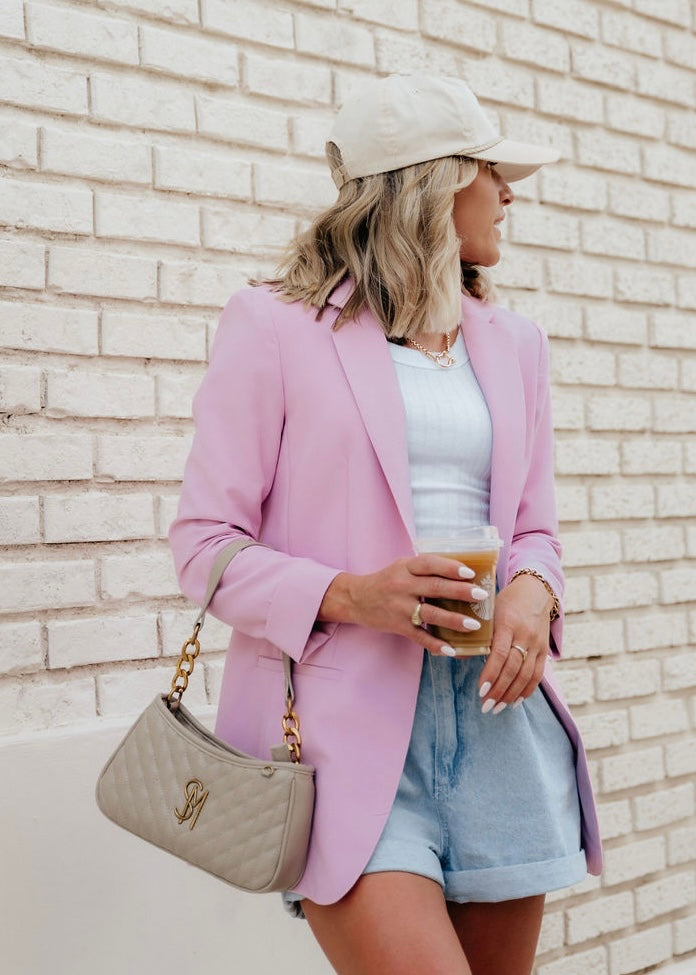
(385, 600)
(521, 617)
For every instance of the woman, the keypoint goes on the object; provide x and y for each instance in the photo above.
(368, 395)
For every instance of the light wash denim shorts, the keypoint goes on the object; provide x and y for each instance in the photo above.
(487, 805)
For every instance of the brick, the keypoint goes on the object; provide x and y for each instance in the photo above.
(658, 809)
(237, 121)
(471, 28)
(667, 164)
(667, 83)
(636, 951)
(45, 457)
(551, 935)
(686, 292)
(652, 203)
(587, 366)
(568, 410)
(518, 8)
(137, 217)
(99, 37)
(609, 501)
(608, 67)
(637, 116)
(631, 33)
(402, 16)
(679, 672)
(618, 413)
(146, 458)
(591, 548)
(399, 53)
(607, 323)
(184, 54)
(688, 375)
(569, 99)
(18, 144)
(679, 132)
(96, 517)
(34, 585)
(614, 819)
(101, 273)
(246, 21)
(534, 45)
(532, 225)
(574, 16)
(684, 930)
(635, 859)
(22, 265)
(678, 585)
(675, 414)
(245, 231)
(141, 102)
(672, 330)
(177, 625)
(669, 246)
(71, 152)
(77, 642)
(615, 238)
(43, 206)
(128, 692)
(558, 318)
(655, 631)
(681, 758)
(590, 638)
(36, 84)
(520, 270)
(36, 705)
(680, 48)
(168, 506)
(579, 276)
(20, 522)
(75, 392)
(176, 11)
(628, 678)
(535, 128)
(646, 370)
(593, 962)
(624, 589)
(20, 390)
(205, 284)
(676, 501)
(12, 19)
(138, 575)
(598, 917)
(572, 503)
(46, 327)
(681, 844)
(210, 173)
(672, 11)
(173, 336)
(20, 648)
(582, 456)
(657, 719)
(644, 286)
(576, 684)
(574, 187)
(653, 544)
(605, 730)
(175, 394)
(287, 80)
(514, 86)
(293, 187)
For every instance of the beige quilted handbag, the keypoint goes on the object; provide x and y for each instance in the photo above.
(173, 783)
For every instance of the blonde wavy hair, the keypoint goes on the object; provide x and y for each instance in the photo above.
(394, 234)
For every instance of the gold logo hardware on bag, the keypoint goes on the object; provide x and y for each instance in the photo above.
(258, 813)
(193, 801)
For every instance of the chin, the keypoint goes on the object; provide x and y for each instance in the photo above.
(485, 258)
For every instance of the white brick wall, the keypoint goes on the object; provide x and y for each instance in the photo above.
(154, 153)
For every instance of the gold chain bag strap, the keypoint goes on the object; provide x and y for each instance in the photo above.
(173, 783)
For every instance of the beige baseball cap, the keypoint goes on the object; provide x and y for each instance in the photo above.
(392, 122)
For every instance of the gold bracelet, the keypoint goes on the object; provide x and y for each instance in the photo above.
(556, 608)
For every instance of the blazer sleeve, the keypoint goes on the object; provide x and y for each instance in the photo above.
(239, 413)
(535, 543)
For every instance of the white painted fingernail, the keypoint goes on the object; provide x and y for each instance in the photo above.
(477, 594)
(516, 704)
(485, 688)
(448, 651)
(465, 572)
(487, 705)
(470, 624)
(499, 707)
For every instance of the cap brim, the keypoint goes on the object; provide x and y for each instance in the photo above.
(515, 160)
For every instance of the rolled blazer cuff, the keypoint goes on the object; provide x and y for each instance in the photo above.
(291, 623)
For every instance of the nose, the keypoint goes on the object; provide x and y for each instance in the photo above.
(506, 194)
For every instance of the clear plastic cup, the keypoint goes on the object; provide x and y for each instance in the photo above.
(478, 548)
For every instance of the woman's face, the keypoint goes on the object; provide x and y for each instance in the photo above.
(478, 209)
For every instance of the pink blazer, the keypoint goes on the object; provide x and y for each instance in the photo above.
(301, 443)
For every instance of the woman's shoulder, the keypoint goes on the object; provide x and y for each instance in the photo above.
(264, 307)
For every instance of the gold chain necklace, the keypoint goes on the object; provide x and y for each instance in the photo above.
(444, 359)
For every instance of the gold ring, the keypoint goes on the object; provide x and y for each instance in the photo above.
(522, 651)
(416, 616)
